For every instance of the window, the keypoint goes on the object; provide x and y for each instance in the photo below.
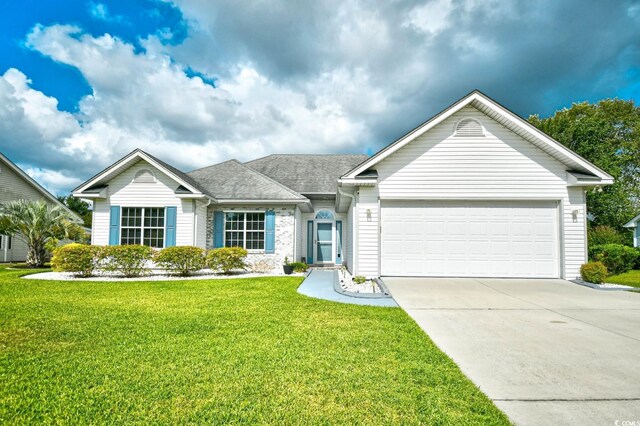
(244, 230)
(5, 242)
(324, 214)
(142, 225)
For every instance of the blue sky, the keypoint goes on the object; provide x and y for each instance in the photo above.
(196, 82)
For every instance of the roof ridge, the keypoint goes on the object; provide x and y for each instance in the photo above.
(213, 165)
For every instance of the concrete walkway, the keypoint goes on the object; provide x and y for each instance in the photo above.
(545, 351)
(319, 284)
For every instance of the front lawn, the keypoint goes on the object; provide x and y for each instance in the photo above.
(630, 278)
(219, 351)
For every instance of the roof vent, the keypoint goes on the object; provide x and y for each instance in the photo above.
(144, 176)
(469, 127)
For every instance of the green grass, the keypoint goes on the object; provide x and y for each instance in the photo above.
(630, 278)
(218, 351)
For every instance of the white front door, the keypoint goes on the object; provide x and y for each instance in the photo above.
(470, 239)
(324, 242)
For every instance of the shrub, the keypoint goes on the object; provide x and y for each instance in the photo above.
(183, 260)
(128, 260)
(594, 272)
(261, 266)
(359, 279)
(616, 257)
(299, 266)
(80, 259)
(226, 259)
(603, 234)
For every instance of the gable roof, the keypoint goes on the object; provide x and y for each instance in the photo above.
(633, 223)
(307, 174)
(136, 155)
(46, 194)
(233, 180)
(503, 116)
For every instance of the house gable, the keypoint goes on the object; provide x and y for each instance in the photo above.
(15, 184)
(492, 163)
(501, 115)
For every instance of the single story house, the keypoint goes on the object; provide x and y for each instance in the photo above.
(15, 184)
(474, 191)
(634, 225)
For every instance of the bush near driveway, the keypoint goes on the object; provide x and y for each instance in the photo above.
(79, 259)
(594, 272)
(617, 258)
(226, 259)
(128, 260)
(236, 351)
(603, 234)
(182, 260)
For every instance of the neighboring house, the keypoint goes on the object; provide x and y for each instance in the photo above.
(634, 225)
(15, 184)
(474, 191)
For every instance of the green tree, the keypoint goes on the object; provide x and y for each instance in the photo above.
(608, 135)
(37, 223)
(78, 206)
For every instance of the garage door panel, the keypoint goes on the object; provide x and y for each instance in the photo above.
(470, 238)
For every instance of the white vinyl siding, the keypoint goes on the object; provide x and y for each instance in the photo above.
(470, 238)
(123, 192)
(367, 213)
(499, 166)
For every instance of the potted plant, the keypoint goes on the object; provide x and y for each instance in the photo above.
(287, 267)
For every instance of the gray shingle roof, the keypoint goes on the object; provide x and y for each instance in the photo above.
(234, 180)
(307, 174)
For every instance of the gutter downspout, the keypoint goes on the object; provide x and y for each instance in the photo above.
(354, 231)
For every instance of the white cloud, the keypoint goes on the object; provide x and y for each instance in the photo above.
(146, 100)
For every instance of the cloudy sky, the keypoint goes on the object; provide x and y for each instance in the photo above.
(195, 82)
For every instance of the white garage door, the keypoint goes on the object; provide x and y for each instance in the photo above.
(470, 239)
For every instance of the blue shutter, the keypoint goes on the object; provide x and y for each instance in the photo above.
(270, 231)
(114, 226)
(170, 227)
(338, 242)
(218, 229)
(310, 242)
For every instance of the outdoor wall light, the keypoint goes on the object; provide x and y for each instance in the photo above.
(575, 214)
(368, 215)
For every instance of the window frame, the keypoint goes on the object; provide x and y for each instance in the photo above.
(244, 231)
(142, 226)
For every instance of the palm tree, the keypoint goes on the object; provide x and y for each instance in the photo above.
(35, 223)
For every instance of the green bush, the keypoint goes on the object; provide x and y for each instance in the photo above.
(594, 272)
(616, 257)
(182, 260)
(80, 259)
(603, 234)
(226, 259)
(359, 279)
(299, 266)
(128, 260)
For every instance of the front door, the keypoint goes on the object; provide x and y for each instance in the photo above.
(324, 242)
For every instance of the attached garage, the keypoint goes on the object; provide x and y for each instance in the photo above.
(470, 239)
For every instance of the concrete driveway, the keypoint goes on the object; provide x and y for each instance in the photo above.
(545, 351)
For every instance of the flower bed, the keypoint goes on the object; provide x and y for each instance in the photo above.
(350, 284)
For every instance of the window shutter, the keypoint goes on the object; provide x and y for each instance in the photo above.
(114, 226)
(218, 229)
(310, 242)
(170, 226)
(270, 231)
(338, 242)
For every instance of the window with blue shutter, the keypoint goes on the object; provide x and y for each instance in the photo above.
(114, 226)
(170, 227)
(310, 242)
(218, 229)
(270, 231)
